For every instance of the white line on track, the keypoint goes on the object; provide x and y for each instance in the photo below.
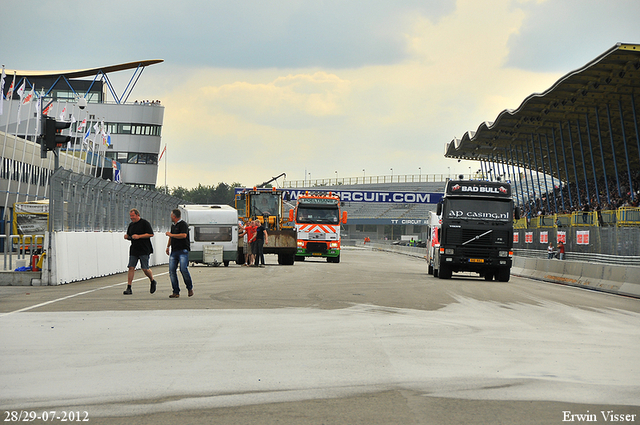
(73, 296)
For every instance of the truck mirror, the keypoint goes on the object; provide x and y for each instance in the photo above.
(439, 208)
(344, 217)
(516, 213)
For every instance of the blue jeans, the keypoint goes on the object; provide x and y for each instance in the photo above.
(181, 256)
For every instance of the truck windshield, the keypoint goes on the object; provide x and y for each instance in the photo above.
(318, 215)
(265, 203)
(478, 209)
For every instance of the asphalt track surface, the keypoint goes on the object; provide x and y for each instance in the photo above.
(371, 340)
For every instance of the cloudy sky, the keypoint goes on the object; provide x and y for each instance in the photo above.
(254, 88)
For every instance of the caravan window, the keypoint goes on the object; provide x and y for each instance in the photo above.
(212, 233)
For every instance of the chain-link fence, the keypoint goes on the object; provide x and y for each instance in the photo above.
(87, 204)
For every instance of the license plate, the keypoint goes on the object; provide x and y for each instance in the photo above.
(476, 260)
(317, 253)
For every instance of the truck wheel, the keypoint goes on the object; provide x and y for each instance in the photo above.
(488, 276)
(226, 263)
(430, 269)
(503, 275)
(435, 272)
(300, 257)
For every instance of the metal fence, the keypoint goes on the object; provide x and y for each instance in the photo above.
(614, 240)
(82, 203)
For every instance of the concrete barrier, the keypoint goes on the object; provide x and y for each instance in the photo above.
(622, 280)
(612, 278)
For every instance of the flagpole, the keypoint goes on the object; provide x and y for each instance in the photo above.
(24, 154)
(13, 154)
(86, 155)
(6, 131)
(165, 171)
(66, 151)
(35, 140)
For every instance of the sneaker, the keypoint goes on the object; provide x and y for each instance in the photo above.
(153, 286)
(191, 292)
(127, 291)
(174, 296)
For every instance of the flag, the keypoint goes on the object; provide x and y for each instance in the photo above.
(114, 165)
(106, 138)
(20, 93)
(2, 91)
(21, 89)
(86, 136)
(47, 108)
(162, 153)
(10, 91)
(81, 125)
(64, 111)
(28, 97)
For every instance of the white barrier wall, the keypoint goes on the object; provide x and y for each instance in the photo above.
(623, 280)
(85, 255)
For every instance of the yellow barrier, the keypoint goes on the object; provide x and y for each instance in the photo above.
(543, 221)
(625, 216)
(562, 220)
(628, 216)
(581, 218)
(520, 224)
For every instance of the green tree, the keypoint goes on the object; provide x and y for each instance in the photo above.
(220, 194)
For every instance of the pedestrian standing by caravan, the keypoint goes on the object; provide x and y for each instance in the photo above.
(179, 244)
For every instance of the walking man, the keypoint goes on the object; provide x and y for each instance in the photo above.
(179, 244)
(139, 233)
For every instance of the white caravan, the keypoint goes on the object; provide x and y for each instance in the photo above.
(211, 226)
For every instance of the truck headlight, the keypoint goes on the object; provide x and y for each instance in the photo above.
(333, 244)
(448, 251)
(301, 244)
(503, 253)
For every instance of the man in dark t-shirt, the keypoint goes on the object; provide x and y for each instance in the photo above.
(139, 233)
(260, 239)
(179, 244)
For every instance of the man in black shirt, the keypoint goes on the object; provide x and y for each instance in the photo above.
(139, 233)
(179, 244)
(261, 238)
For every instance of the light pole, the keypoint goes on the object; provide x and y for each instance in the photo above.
(449, 173)
(391, 175)
(309, 179)
(336, 176)
(364, 176)
(419, 173)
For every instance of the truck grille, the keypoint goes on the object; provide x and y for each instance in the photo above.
(316, 247)
(457, 236)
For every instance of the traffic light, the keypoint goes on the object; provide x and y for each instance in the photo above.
(52, 135)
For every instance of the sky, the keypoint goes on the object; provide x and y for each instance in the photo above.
(319, 88)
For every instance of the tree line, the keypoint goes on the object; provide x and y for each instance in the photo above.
(221, 194)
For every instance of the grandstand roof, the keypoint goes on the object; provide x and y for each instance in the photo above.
(90, 72)
(607, 86)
